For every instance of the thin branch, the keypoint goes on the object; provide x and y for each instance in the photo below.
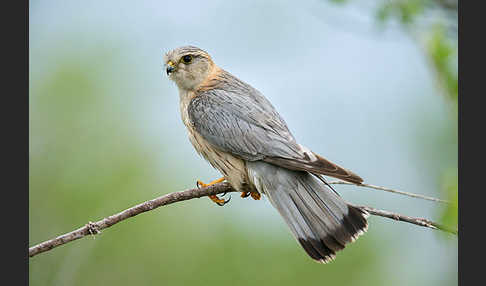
(93, 228)
(413, 220)
(392, 191)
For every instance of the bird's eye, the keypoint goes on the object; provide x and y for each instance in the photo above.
(187, 59)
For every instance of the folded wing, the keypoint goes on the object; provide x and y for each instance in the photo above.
(237, 119)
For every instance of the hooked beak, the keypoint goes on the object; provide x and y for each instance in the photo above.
(170, 67)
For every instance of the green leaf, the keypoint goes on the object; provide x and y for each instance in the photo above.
(442, 53)
(448, 215)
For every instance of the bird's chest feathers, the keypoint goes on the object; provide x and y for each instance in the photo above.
(200, 144)
(185, 99)
(232, 168)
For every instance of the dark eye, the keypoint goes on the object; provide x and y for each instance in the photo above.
(187, 59)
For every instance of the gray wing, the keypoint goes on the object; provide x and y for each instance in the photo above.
(245, 124)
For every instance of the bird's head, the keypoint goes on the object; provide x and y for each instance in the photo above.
(188, 66)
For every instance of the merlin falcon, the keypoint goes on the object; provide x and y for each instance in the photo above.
(238, 131)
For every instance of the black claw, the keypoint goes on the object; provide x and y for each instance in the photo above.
(197, 185)
(225, 202)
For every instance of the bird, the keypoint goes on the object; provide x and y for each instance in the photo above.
(239, 132)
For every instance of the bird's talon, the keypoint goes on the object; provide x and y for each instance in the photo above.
(225, 202)
(255, 195)
(218, 201)
(214, 198)
(200, 184)
(244, 194)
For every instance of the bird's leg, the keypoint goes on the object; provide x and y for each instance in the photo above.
(214, 198)
(245, 194)
(254, 195)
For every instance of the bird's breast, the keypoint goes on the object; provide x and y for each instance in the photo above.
(185, 99)
(232, 168)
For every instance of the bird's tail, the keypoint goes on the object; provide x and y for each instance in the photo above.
(320, 220)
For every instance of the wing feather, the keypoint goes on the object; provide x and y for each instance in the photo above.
(238, 119)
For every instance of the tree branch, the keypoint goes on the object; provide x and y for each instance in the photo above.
(93, 228)
(391, 191)
(413, 220)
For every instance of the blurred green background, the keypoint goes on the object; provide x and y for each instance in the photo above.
(371, 85)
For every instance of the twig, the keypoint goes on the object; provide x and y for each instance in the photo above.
(93, 228)
(413, 220)
(391, 191)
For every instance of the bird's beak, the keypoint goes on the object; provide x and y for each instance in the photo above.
(170, 67)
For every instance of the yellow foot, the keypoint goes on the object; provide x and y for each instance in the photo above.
(214, 198)
(254, 195)
(220, 202)
(201, 184)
